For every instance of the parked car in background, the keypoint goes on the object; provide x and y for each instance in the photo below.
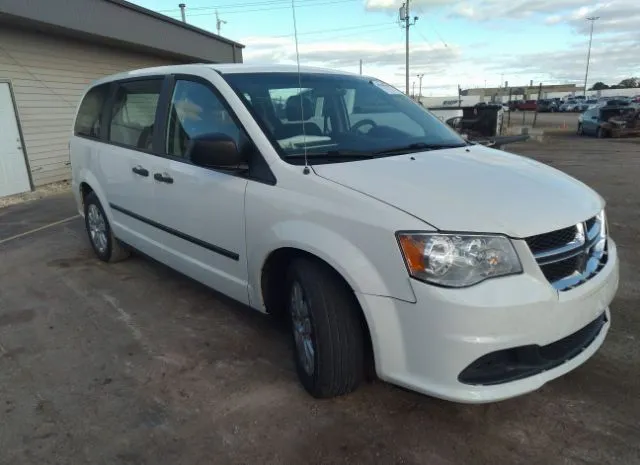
(547, 106)
(612, 102)
(341, 216)
(526, 105)
(585, 105)
(569, 106)
(593, 121)
(513, 104)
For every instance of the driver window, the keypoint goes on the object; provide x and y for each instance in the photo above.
(368, 108)
(196, 110)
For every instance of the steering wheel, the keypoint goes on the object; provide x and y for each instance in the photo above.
(364, 122)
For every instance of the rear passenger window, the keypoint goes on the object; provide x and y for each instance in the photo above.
(133, 113)
(196, 110)
(88, 119)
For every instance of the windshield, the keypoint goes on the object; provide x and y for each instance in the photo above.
(337, 117)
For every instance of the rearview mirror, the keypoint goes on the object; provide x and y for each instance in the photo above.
(216, 151)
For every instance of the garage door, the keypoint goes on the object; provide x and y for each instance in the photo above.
(13, 169)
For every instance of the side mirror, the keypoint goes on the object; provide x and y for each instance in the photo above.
(216, 151)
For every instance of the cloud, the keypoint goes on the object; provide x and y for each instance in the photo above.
(384, 61)
(348, 53)
(611, 62)
(616, 37)
(553, 19)
(616, 16)
(394, 5)
(485, 10)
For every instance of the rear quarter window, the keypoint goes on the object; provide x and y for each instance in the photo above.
(88, 121)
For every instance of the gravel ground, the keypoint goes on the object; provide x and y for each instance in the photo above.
(39, 193)
(134, 364)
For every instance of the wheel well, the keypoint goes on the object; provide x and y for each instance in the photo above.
(85, 189)
(274, 293)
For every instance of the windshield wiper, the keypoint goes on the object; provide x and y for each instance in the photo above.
(416, 147)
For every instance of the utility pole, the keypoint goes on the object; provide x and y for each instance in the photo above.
(406, 18)
(413, 89)
(219, 22)
(592, 19)
(420, 76)
(360, 66)
(182, 7)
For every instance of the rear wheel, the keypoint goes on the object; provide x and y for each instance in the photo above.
(103, 242)
(600, 134)
(327, 331)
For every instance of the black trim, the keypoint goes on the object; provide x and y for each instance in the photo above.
(521, 362)
(186, 237)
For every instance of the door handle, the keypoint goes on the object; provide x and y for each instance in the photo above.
(140, 170)
(163, 177)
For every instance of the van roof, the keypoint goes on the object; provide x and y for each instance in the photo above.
(230, 68)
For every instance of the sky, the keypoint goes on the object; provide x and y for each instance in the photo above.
(471, 43)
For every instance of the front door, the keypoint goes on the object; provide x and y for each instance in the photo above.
(14, 177)
(201, 210)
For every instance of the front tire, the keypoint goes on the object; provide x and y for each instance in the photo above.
(580, 131)
(104, 243)
(326, 328)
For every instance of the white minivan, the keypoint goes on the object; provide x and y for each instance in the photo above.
(387, 240)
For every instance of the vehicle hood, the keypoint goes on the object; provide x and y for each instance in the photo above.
(473, 189)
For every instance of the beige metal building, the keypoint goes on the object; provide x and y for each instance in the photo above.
(51, 50)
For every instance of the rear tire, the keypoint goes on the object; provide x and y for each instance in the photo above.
(326, 328)
(104, 243)
(600, 134)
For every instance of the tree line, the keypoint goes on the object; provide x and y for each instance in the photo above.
(628, 83)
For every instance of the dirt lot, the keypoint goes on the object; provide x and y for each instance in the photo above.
(134, 364)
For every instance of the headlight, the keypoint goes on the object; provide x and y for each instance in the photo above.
(457, 260)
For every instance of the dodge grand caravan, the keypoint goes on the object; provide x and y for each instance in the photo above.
(385, 239)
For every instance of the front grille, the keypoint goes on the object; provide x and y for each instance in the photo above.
(558, 270)
(571, 256)
(552, 240)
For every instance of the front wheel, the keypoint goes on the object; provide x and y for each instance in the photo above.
(580, 130)
(327, 330)
(104, 244)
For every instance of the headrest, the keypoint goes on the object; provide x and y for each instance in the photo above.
(297, 111)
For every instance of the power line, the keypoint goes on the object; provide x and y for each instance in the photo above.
(318, 31)
(324, 39)
(235, 5)
(427, 40)
(276, 6)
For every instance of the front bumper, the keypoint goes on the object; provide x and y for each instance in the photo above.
(425, 346)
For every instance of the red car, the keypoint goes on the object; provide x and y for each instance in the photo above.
(527, 105)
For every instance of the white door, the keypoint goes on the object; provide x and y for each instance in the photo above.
(13, 168)
(125, 163)
(201, 210)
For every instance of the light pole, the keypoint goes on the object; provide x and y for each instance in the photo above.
(592, 19)
(420, 76)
